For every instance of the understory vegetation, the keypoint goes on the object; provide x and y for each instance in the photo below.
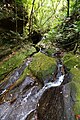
(38, 29)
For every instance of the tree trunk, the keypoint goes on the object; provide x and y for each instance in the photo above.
(31, 18)
(68, 4)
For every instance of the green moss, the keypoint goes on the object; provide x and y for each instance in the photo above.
(71, 60)
(77, 108)
(23, 76)
(73, 63)
(42, 65)
(15, 61)
(76, 80)
(50, 51)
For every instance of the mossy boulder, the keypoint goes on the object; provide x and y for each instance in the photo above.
(42, 66)
(76, 80)
(15, 61)
(72, 61)
(73, 64)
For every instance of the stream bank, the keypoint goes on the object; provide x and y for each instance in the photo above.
(34, 86)
(37, 96)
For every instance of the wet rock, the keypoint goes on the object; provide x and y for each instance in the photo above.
(28, 82)
(57, 103)
(52, 108)
(69, 100)
(14, 76)
(24, 105)
(30, 101)
(32, 116)
(15, 61)
(36, 37)
(73, 64)
(42, 66)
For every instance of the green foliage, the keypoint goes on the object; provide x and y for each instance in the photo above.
(47, 16)
(45, 13)
(68, 33)
(18, 2)
(77, 26)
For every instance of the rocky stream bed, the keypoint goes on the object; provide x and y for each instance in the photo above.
(34, 86)
(34, 100)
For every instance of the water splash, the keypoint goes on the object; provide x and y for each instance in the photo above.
(56, 83)
(15, 76)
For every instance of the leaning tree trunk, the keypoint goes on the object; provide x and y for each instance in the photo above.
(31, 18)
(68, 4)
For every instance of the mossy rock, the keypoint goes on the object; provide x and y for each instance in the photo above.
(15, 61)
(71, 60)
(25, 73)
(42, 66)
(73, 63)
(76, 80)
(47, 46)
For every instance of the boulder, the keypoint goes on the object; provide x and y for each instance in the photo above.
(73, 64)
(42, 66)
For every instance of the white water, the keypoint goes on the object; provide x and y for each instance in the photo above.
(56, 83)
(3, 92)
(14, 78)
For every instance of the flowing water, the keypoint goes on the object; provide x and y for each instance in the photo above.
(22, 102)
(14, 77)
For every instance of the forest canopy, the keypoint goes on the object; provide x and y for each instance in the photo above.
(45, 15)
(39, 58)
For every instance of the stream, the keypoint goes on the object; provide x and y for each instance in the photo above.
(30, 101)
(14, 77)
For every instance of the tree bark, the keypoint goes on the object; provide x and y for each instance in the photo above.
(68, 4)
(31, 18)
